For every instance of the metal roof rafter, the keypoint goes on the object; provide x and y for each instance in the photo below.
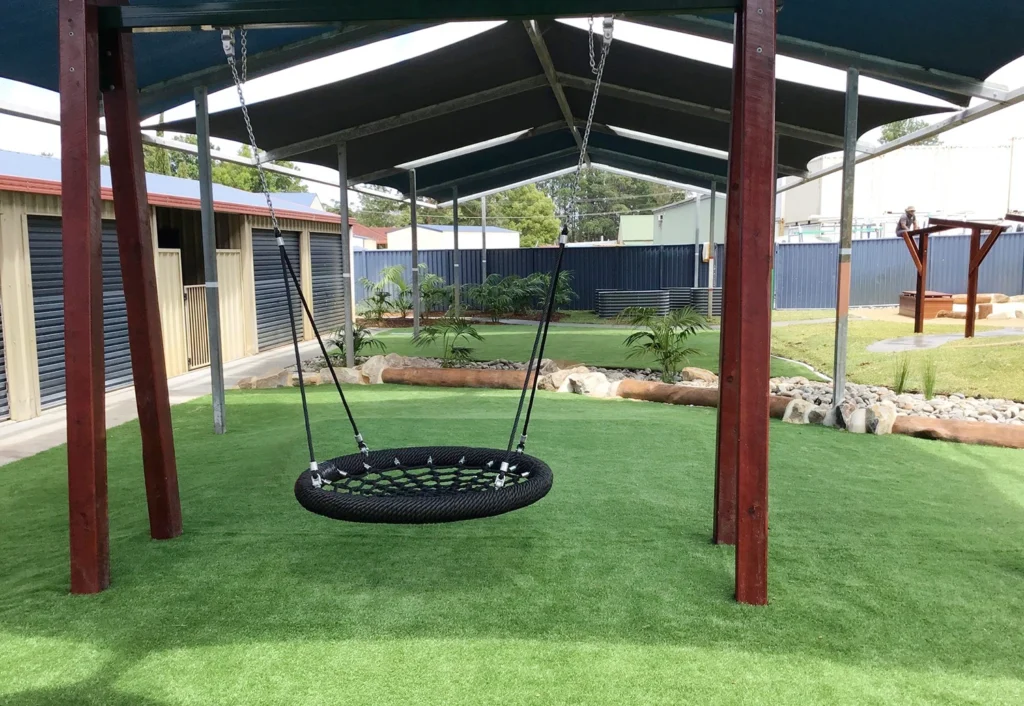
(540, 47)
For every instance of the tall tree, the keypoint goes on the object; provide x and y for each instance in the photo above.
(604, 197)
(900, 128)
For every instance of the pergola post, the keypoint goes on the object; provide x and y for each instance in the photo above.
(845, 237)
(724, 529)
(415, 275)
(456, 264)
(346, 254)
(972, 284)
(83, 295)
(138, 271)
(210, 257)
(756, 190)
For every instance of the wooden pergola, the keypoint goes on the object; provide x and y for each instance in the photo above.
(917, 244)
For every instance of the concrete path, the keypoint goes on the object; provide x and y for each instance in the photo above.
(928, 341)
(22, 439)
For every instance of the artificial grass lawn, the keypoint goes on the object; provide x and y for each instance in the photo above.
(600, 347)
(988, 367)
(897, 574)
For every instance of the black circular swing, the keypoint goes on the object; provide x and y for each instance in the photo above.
(420, 485)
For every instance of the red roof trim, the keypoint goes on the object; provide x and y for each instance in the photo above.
(53, 188)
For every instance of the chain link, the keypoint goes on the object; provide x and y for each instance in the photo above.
(228, 40)
(598, 69)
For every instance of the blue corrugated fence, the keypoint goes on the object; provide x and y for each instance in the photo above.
(805, 274)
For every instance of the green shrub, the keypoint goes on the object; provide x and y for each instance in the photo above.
(362, 340)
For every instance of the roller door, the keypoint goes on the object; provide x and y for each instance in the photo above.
(45, 253)
(273, 327)
(326, 253)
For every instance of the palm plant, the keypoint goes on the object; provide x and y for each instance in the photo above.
(394, 277)
(665, 338)
(434, 292)
(362, 338)
(492, 296)
(376, 306)
(454, 332)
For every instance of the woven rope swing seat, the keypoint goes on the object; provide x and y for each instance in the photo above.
(422, 485)
(419, 485)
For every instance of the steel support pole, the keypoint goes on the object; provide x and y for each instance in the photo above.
(346, 255)
(456, 263)
(210, 258)
(697, 259)
(483, 235)
(757, 187)
(711, 249)
(415, 274)
(845, 238)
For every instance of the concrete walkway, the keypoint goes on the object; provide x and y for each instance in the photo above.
(22, 439)
(928, 341)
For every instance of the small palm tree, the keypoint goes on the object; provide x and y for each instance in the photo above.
(665, 338)
(451, 330)
(362, 339)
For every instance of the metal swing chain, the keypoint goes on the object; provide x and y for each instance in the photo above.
(227, 38)
(240, 77)
(597, 68)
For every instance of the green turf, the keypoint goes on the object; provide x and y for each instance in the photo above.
(600, 347)
(897, 574)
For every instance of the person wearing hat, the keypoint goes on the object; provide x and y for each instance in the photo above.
(908, 222)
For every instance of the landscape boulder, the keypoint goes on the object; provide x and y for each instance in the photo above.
(880, 417)
(373, 368)
(691, 374)
(268, 381)
(346, 376)
(589, 384)
(844, 413)
(548, 366)
(819, 415)
(558, 380)
(857, 421)
(797, 412)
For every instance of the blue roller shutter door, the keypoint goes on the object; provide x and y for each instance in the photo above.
(273, 327)
(325, 252)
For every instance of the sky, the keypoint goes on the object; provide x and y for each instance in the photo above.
(28, 136)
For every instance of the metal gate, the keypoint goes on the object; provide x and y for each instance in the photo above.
(5, 409)
(273, 327)
(197, 331)
(45, 253)
(325, 253)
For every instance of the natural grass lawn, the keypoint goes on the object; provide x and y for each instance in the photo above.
(897, 570)
(989, 367)
(600, 347)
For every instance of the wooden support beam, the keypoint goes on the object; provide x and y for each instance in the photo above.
(757, 189)
(83, 295)
(993, 236)
(1019, 217)
(138, 271)
(915, 255)
(726, 450)
(922, 283)
(972, 284)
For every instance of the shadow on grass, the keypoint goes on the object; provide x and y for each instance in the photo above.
(888, 550)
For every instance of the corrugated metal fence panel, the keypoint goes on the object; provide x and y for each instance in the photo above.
(45, 253)
(273, 327)
(5, 409)
(805, 274)
(232, 304)
(326, 254)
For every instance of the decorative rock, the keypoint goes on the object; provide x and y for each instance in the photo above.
(819, 415)
(690, 374)
(844, 413)
(797, 412)
(559, 380)
(346, 376)
(857, 422)
(373, 368)
(548, 366)
(245, 384)
(879, 418)
(589, 384)
(278, 378)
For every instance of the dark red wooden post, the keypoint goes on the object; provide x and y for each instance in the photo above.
(83, 295)
(757, 179)
(972, 283)
(724, 530)
(922, 282)
(138, 270)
